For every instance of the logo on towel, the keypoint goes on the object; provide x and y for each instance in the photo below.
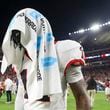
(49, 37)
(48, 61)
(39, 38)
(20, 15)
(43, 24)
(35, 14)
(30, 23)
(39, 77)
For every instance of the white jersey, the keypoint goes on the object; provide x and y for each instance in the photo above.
(69, 53)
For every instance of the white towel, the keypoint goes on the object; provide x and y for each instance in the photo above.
(40, 63)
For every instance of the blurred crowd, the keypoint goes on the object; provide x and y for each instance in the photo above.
(8, 83)
(100, 73)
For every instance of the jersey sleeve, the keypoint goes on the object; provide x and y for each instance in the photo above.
(74, 57)
(74, 74)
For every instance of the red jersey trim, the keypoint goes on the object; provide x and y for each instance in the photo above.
(75, 62)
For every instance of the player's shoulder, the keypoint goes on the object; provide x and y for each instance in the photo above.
(67, 44)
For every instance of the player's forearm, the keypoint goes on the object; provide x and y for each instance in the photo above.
(83, 103)
(83, 107)
(81, 95)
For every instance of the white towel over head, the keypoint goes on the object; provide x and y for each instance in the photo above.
(37, 61)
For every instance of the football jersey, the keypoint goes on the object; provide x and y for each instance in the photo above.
(69, 53)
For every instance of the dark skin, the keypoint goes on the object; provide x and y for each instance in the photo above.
(80, 93)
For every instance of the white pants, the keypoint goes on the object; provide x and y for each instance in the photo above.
(92, 96)
(19, 101)
(36, 105)
(24, 104)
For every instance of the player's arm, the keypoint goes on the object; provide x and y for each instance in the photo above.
(78, 86)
